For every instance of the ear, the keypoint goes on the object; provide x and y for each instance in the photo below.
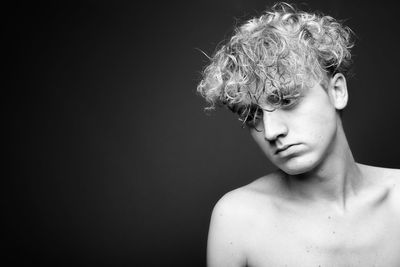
(338, 91)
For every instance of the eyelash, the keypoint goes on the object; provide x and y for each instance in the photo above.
(290, 104)
(250, 116)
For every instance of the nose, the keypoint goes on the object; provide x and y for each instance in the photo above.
(274, 125)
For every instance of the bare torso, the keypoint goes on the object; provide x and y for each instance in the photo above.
(270, 228)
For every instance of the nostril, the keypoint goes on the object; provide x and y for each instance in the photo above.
(273, 137)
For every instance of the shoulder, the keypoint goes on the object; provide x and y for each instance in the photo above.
(392, 177)
(245, 200)
(393, 182)
(380, 175)
(232, 221)
(387, 179)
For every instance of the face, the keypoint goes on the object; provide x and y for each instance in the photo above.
(298, 137)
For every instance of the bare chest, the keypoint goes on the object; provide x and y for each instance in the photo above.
(369, 239)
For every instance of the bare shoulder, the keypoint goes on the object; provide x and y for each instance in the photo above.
(383, 176)
(386, 178)
(245, 200)
(232, 220)
(392, 177)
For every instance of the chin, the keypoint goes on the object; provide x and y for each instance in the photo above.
(298, 165)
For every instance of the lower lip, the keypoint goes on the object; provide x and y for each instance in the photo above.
(288, 151)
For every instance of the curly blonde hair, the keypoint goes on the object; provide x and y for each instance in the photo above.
(273, 57)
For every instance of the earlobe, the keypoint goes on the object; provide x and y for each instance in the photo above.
(338, 91)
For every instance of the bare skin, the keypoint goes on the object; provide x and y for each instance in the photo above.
(263, 224)
(321, 208)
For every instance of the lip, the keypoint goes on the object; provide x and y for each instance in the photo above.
(283, 148)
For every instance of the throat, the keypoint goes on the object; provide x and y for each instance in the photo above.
(336, 183)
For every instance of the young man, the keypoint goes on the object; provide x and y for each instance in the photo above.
(284, 74)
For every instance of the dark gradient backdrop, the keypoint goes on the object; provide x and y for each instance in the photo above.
(109, 155)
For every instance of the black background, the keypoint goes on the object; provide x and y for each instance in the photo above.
(110, 158)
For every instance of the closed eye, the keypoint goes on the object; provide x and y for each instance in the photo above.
(289, 102)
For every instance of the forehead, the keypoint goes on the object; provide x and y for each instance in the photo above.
(283, 79)
(292, 94)
(271, 91)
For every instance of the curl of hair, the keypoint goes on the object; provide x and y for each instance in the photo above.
(276, 54)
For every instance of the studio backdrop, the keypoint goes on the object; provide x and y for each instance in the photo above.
(110, 156)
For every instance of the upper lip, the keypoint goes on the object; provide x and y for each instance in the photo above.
(282, 148)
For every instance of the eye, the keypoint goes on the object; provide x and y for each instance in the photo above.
(273, 99)
(250, 116)
(289, 102)
(254, 117)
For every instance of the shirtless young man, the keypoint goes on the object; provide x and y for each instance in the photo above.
(284, 74)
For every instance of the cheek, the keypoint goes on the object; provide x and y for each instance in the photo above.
(321, 133)
(321, 123)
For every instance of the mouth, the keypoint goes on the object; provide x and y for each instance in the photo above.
(282, 148)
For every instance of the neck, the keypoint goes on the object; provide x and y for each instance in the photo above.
(335, 179)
